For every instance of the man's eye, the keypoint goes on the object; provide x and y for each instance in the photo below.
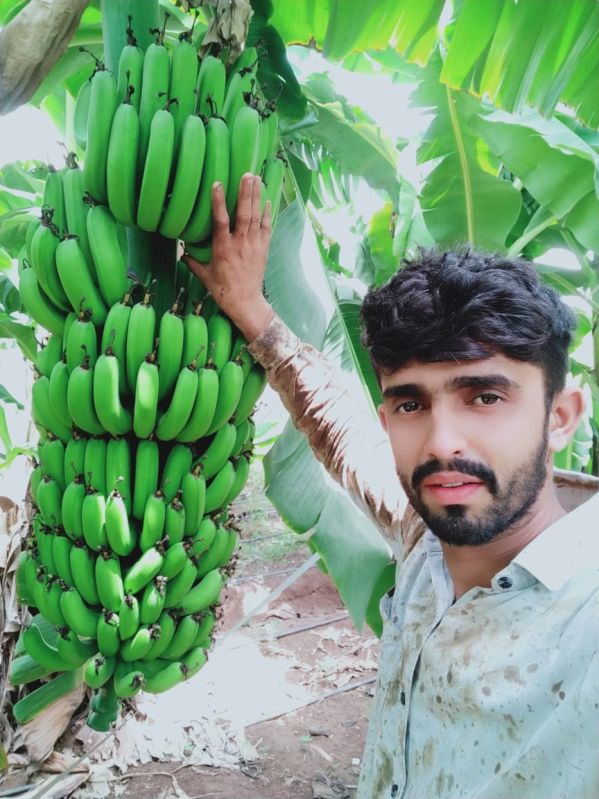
(407, 407)
(488, 399)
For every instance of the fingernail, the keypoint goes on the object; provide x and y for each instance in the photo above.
(217, 187)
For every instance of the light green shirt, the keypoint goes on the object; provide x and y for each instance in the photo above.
(497, 695)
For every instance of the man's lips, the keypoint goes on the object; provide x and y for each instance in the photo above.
(448, 479)
(453, 495)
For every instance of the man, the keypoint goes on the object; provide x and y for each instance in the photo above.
(488, 681)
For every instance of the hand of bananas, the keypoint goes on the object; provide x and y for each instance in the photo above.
(145, 422)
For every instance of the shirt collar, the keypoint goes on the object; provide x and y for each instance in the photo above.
(563, 549)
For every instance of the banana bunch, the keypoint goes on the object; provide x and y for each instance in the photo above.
(169, 125)
(144, 420)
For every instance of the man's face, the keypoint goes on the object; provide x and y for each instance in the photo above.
(482, 423)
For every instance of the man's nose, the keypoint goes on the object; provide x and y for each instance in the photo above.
(446, 437)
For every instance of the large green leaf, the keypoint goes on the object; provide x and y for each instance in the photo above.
(22, 334)
(355, 142)
(557, 167)
(463, 199)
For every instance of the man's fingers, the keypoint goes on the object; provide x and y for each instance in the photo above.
(244, 205)
(220, 216)
(256, 194)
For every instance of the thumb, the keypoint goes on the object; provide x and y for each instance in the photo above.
(200, 270)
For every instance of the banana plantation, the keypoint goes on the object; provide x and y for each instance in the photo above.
(137, 394)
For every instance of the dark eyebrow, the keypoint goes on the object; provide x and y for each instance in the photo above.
(454, 384)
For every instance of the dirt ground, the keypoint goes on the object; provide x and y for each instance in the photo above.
(313, 753)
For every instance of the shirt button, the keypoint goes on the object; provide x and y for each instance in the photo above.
(402, 697)
(505, 582)
(394, 790)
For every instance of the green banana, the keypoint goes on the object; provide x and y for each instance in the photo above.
(74, 456)
(230, 386)
(136, 647)
(220, 340)
(195, 338)
(72, 650)
(121, 165)
(83, 570)
(80, 399)
(51, 454)
(81, 114)
(178, 463)
(114, 334)
(202, 540)
(175, 558)
(75, 206)
(152, 601)
(45, 543)
(82, 341)
(34, 481)
(94, 464)
(247, 61)
(154, 88)
(218, 451)
(113, 416)
(184, 71)
(118, 469)
(143, 570)
(77, 281)
(121, 535)
(220, 486)
(244, 152)
(111, 267)
(49, 355)
(107, 635)
(61, 552)
(196, 291)
(172, 421)
(41, 410)
(128, 681)
(58, 392)
(98, 670)
(146, 475)
(193, 661)
(130, 72)
(38, 305)
(49, 500)
(207, 624)
(167, 678)
(71, 508)
(128, 617)
(109, 582)
(193, 495)
(272, 125)
(93, 519)
(174, 523)
(213, 557)
(140, 337)
(237, 94)
(250, 394)
(210, 86)
(42, 652)
(229, 548)
(187, 176)
(170, 349)
(44, 246)
(204, 594)
(145, 408)
(204, 406)
(157, 170)
(242, 472)
(166, 625)
(183, 639)
(242, 438)
(179, 586)
(79, 617)
(153, 521)
(102, 106)
(216, 169)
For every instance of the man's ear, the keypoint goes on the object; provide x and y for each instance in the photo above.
(566, 411)
(382, 412)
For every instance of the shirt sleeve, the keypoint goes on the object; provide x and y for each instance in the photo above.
(340, 427)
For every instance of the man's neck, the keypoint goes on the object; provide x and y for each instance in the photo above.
(476, 566)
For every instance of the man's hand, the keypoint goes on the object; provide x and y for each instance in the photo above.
(235, 273)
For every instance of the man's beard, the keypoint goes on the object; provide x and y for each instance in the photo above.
(509, 503)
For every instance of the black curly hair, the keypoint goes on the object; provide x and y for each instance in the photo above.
(464, 305)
